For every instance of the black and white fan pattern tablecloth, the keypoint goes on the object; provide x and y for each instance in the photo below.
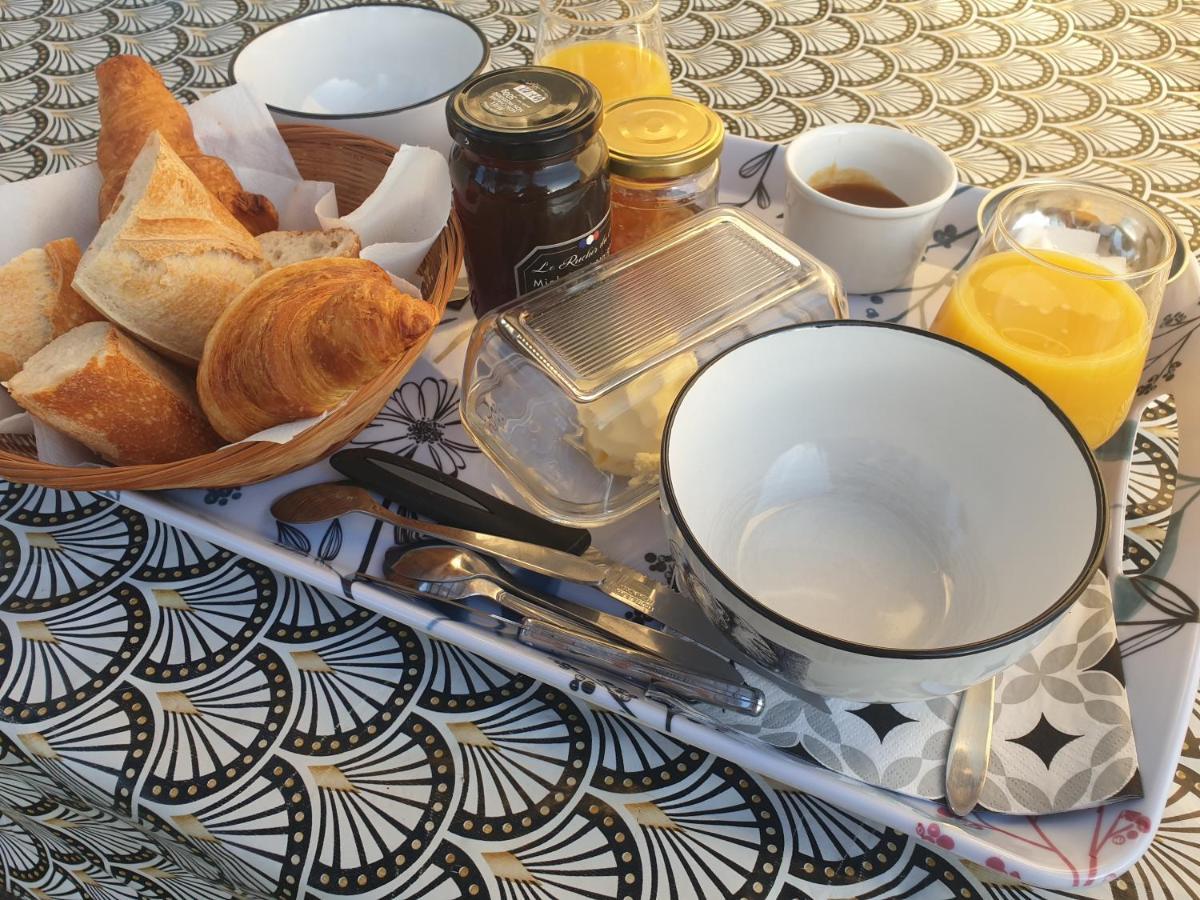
(178, 721)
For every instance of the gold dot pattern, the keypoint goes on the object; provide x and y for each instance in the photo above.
(1093, 89)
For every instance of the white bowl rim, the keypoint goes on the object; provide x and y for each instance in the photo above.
(1048, 615)
(331, 117)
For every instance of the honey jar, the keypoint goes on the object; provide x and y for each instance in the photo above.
(664, 162)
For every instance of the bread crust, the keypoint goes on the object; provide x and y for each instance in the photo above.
(134, 102)
(300, 339)
(122, 402)
(38, 302)
(167, 261)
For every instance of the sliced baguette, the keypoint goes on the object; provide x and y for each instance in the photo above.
(168, 259)
(37, 303)
(100, 387)
(282, 248)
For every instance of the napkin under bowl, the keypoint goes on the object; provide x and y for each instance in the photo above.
(1062, 737)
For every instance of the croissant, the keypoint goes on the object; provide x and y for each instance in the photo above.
(300, 339)
(133, 103)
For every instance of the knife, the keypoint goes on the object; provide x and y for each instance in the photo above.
(450, 501)
(427, 492)
(646, 672)
(413, 565)
(649, 672)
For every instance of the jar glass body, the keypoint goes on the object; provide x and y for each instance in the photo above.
(641, 208)
(528, 222)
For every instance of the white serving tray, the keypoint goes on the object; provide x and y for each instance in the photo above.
(1160, 635)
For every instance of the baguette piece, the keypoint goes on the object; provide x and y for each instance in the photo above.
(133, 102)
(282, 248)
(169, 258)
(301, 339)
(100, 387)
(37, 303)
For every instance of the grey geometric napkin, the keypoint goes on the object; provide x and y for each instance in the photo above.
(1062, 737)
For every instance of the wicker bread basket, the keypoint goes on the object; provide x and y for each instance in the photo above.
(355, 164)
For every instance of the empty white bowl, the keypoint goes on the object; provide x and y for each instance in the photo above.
(384, 71)
(877, 513)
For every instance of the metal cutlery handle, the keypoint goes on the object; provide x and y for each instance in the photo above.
(535, 558)
(684, 654)
(428, 566)
(641, 667)
(632, 668)
(970, 747)
(537, 612)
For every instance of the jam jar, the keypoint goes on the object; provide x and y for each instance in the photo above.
(664, 160)
(529, 170)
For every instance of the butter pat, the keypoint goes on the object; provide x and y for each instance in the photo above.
(568, 389)
(622, 431)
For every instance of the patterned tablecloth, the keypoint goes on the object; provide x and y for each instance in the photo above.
(525, 793)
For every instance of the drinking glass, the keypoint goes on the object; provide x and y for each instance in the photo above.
(1065, 287)
(617, 45)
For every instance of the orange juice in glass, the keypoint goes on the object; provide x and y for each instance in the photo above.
(615, 44)
(1065, 288)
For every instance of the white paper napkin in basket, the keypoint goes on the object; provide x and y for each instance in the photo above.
(1062, 736)
(398, 223)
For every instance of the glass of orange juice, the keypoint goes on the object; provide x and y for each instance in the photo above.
(617, 45)
(1065, 287)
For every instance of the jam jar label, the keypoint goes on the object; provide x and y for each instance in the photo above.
(550, 262)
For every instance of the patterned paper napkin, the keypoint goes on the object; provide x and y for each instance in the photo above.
(1062, 736)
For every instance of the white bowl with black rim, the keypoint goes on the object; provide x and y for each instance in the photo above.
(379, 70)
(876, 513)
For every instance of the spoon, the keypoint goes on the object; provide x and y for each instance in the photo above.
(622, 583)
(451, 564)
(970, 747)
(658, 679)
(463, 589)
(319, 502)
(439, 563)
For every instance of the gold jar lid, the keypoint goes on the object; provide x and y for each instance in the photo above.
(661, 137)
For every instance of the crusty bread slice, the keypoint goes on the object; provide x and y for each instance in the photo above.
(37, 303)
(282, 248)
(133, 101)
(100, 387)
(169, 257)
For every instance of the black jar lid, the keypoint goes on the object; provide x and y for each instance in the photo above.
(524, 112)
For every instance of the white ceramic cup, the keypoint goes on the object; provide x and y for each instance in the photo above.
(872, 249)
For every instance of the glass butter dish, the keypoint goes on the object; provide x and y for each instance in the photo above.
(567, 388)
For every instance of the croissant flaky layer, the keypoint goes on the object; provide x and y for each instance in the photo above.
(133, 103)
(300, 339)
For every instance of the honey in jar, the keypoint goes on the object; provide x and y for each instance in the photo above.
(664, 160)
